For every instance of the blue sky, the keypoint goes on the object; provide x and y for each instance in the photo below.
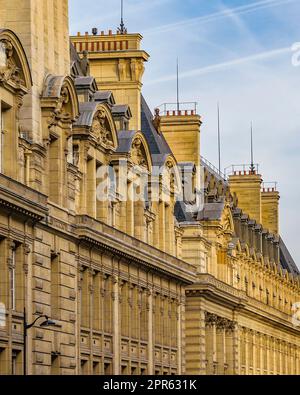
(234, 52)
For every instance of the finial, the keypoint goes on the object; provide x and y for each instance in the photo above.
(219, 137)
(122, 29)
(252, 167)
(177, 79)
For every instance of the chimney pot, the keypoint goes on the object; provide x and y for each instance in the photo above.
(102, 33)
(168, 113)
(110, 32)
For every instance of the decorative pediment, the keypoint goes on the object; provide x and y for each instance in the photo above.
(170, 174)
(96, 122)
(14, 68)
(138, 154)
(101, 129)
(59, 96)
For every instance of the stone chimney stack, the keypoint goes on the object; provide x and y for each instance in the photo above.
(270, 209)
(247, 186)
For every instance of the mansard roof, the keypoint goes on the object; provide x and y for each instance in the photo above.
(159, 147)
(286, 260)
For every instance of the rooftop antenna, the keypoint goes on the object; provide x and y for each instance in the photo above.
(122, 29)
(178, 85)
(219, 139)
(252, 167)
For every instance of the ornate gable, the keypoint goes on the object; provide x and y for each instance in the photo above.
(14, 68)
(101, 129)
(139, 152)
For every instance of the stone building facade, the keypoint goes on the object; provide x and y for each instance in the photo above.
(135, 285)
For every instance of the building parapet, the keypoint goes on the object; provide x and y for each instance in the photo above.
(20, 198)
(243, 169)
(178, 109)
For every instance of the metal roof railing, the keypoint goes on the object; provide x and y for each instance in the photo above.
(182, 108)
(270, 186)
(213, 168)
(245, 168)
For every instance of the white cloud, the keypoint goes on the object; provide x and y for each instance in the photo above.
(225, 13)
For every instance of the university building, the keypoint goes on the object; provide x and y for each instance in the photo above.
(148, 259)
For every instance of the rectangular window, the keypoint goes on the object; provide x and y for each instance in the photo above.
(54, 364)
(16, 363)
(55, 286)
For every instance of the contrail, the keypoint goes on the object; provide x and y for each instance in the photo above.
(259, 5)
(224, 65)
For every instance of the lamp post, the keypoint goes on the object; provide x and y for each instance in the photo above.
(26, 326)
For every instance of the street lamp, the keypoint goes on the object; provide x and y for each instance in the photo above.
(26, 326)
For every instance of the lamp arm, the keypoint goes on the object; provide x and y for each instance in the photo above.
(41, 316)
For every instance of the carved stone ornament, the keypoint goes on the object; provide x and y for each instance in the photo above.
(137, 154)
(210, 319)
(170, 167)
(60, 112)
(157, 120)
(9, 71)
(103, 135)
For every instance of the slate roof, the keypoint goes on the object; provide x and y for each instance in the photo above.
(85, 82)
(105, 97)
(286, 260)
(158, 146)
(121, 109)
(87, 112)
(125, 140)
(211, 211)
(181, 213)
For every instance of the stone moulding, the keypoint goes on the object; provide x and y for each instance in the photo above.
(103, 236)
(24, 200)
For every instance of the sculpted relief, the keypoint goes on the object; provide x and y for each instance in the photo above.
(61, 111)
(9, 71)
(137, 153)
(100, 129)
